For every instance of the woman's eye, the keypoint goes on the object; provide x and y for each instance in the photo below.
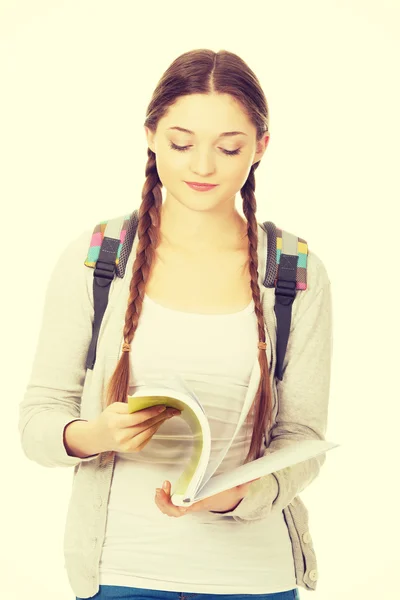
(184, 148)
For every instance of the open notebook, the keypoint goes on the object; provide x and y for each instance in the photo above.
(197, 481)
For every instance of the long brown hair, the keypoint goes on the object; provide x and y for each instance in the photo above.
(197, 72)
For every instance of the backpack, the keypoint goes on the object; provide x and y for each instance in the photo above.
(286, 270)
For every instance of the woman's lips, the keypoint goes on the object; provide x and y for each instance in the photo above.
(200, 187)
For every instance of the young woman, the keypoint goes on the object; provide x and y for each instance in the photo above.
(191, 302)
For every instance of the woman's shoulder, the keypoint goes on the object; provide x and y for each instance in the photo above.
(76, 249)
(317, 273)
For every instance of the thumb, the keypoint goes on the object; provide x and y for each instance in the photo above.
(166, 486)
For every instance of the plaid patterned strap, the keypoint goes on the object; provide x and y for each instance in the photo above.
(103, 229)
(285, 251)
(288, 244)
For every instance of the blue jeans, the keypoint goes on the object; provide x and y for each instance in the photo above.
(119, 592)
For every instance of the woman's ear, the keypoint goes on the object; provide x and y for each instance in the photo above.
(150, 138)
(261, 148)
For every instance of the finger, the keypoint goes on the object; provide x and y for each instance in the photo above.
(167, 507)
(163, 501)
(167, 414)
(143, 438)
(143, 415)
(153, 431)
(166, 488)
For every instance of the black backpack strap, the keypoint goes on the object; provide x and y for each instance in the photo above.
(286, 270)
(108, 255)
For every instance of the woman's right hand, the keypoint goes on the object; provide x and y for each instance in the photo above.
(118, 430)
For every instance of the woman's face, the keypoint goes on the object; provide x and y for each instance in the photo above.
(206, 158)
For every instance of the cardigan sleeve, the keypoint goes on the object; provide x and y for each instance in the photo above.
(303, 396)
(53, 394)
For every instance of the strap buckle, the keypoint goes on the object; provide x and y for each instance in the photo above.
(283, 287)
(104, 270)
(285, 290)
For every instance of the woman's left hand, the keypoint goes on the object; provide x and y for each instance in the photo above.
(222, 502)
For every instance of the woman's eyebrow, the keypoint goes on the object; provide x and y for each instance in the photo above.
(224, 134)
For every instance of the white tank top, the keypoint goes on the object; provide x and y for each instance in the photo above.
(200, 552)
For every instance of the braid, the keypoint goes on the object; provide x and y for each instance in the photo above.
(262, 408)
(148, 232)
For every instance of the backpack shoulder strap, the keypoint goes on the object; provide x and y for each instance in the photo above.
(109, 249)
(106, 244)
(286, 270)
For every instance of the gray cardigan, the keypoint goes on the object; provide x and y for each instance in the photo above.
(60, 391)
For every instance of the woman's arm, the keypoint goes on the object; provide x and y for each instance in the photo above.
(53, 395)
(303, 397)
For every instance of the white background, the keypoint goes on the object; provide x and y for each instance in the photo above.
(76, 78)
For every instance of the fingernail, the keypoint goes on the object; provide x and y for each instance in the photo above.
(174, 413)
(165, 485)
